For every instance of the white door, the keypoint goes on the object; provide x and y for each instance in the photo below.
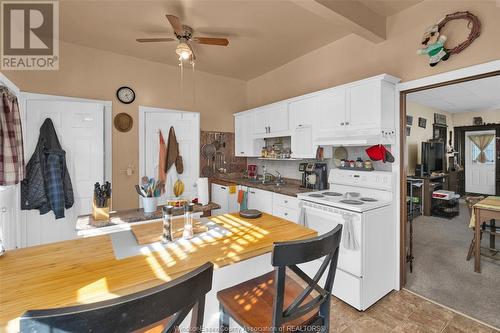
(220, 195)
(187, 131)
(331, 113)
(80, 128)
(9, 221)
(479, 177)
(260, 120)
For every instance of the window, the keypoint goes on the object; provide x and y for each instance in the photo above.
(489, 151)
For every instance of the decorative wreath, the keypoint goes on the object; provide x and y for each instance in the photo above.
(474, 25)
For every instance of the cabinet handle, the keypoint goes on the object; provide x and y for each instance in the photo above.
(342, 124)
(286, 201)
(222, 187)
(347, 123)
(269, 129)
(286, 214)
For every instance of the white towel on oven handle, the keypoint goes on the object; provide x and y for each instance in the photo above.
(348, 235)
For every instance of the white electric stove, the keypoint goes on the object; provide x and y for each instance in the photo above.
(366, 272)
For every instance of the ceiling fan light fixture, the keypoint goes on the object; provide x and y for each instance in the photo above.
(183, 51)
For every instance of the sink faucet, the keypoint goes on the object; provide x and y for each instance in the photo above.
(279, 179)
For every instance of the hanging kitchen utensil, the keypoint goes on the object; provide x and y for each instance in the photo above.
(208, 150)
(339, 155)
(179, 166)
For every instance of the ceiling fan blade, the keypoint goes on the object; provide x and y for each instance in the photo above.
(175, 22)
(154, 40)
(211, 41)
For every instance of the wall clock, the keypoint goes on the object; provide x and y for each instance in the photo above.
(125, 95)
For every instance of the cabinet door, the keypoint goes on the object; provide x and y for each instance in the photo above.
(243, 140)
(220, 195)
(278, 117)
(261, 200)
(331, 112)
(260, 120)
(364, 107)
(302, 118)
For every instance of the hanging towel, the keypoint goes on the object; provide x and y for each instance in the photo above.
(348, 235)
(244, 200)
(162, 160)
(12, 168)
(173, 156)
(302, 216)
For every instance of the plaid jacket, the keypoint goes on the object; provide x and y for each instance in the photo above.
(47, 185)
(11, 140)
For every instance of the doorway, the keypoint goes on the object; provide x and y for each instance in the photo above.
(480, 161)
(440, 243)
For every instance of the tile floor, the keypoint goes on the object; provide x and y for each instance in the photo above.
(401, 312)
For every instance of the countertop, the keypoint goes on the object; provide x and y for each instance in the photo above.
(86, 224)
(85, 270)
(291, 186)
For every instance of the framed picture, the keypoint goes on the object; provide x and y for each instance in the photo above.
(409, 120)
(439, 119)
(422, 122)
(408, 130)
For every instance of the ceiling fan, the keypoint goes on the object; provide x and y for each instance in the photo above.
(184, 35)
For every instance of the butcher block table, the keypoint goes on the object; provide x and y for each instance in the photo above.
(86, 270)
(485, 210)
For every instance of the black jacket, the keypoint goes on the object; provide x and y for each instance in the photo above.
(47, 185)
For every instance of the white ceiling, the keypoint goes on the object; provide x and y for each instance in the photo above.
(477, 95)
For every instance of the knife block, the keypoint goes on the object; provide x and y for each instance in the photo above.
(100, 213)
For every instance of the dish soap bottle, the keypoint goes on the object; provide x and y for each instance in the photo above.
(188, 232)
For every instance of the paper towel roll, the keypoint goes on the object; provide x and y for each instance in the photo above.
(202, 185)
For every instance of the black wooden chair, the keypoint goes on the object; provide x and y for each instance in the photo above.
(276, 301)
(158, 309)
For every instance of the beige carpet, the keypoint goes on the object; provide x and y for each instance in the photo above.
(441, 273)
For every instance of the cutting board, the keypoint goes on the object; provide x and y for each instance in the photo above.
(152, 232)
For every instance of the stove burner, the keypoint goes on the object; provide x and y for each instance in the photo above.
(352, 202)
(352, 194)
(332, 194)
(316, 195)
(368, 199)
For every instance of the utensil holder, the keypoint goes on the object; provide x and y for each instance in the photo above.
(150, 204)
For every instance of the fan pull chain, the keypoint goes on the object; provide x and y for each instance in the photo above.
(194, 83)
(182, 78)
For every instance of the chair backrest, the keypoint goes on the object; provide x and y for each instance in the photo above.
(166, 305)
(289, 255)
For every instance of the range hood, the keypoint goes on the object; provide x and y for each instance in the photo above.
(352, 139)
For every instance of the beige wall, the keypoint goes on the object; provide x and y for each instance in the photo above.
(419, 134)
(465, 118)
(352, 58)
(95, 74)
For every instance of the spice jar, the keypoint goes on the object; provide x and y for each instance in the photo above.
(167, 224)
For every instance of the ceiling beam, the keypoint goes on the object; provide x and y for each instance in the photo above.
(352, 14)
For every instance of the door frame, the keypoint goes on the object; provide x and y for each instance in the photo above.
(471, 73)
(142, 135)
(108, 153)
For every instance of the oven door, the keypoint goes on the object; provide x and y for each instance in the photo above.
(323, 219)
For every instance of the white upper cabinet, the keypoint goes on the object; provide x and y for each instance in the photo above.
(271, 119)
(303, 118)
(244, 143)
(331, 112)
